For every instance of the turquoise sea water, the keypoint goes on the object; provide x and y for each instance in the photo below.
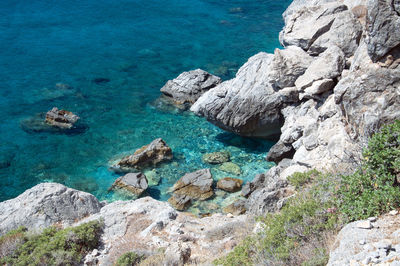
(136, 45)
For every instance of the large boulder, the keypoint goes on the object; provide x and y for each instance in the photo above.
(195, 185)
(315, 27)
(249, 104)
(383, 24)
(44, 205)
(61, 118)
(135, 183)
(151, 154)
(189, 86)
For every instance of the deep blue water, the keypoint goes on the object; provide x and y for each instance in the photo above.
(138, 45)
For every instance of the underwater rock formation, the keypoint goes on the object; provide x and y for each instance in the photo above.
(217, 157)
(151, 154)
(135, 183)
(61, 118)
(230, 184)
(195, 185)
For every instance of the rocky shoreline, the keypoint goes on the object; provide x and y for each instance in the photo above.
(333, 85)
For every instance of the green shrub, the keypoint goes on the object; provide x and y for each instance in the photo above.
(374, 189)
(129, 259)
(296, 230)
(300, 179)
(56, 247)
(11, 241)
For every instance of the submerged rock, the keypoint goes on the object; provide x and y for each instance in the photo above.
(135, 183)
(44, 205)
(100, 81)
(231, 168)
(196, 185)
(38, 124)
(230, 184)
(217, 157)
(189, 86)
(151, 154)
(61, 118)
(236, 208)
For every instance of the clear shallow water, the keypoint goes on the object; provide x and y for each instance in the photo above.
(138, 45)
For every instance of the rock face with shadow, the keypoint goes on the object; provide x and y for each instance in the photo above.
(383, 23)
(250, 104)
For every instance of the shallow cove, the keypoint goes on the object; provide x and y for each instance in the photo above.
(115, 56)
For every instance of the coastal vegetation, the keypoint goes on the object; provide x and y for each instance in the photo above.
(129, 259)
(50, 247)
(301, 233)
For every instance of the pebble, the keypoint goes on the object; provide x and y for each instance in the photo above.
(366, 260)
(368, 247)
(372, 219)
(384, 244)
(376, 260)
(362, 242)
(229, 215)
(394, 212)
(364, 224)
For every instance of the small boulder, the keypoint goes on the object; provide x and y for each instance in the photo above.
(230, 184)
(135, 183)
(151, 154)
(236, 208)
(61, 118)
(189, 86)
(196, 185)
(217, 157)
(231, 168)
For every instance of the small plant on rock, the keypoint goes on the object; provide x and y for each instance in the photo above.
(129, 259)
